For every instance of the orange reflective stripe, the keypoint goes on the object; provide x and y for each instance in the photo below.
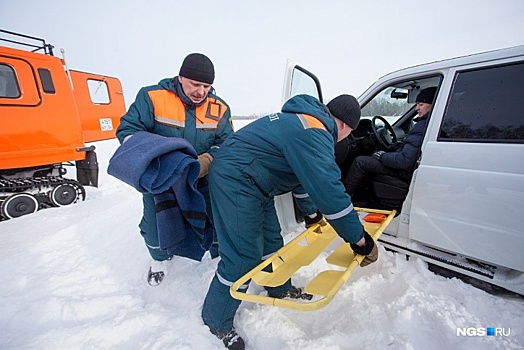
(308, 121)
(167, 108)
(170, 110)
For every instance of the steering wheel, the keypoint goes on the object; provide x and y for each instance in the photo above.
(385, 136)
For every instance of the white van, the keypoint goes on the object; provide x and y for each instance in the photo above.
(462, 207)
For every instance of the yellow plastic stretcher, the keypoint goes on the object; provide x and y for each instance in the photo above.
(302, 251)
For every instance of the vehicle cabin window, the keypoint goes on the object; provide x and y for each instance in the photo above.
(47, 80)
(98, 91)
(391, 103)
(486, 105)
(9, 87)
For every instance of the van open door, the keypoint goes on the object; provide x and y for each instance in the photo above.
(297, 80)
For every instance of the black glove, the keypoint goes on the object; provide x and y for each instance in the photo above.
(319, 219)
(369, 250)
(377, 154)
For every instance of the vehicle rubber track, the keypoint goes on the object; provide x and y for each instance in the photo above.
(46, 191)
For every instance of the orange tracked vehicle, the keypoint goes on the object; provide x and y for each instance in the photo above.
(47, 115)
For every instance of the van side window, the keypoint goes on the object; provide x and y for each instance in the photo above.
(486, 105)
(8, 84)
(47, 80)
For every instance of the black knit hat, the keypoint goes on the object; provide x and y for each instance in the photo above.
(198, 67)
(345, 108)
(426, 95)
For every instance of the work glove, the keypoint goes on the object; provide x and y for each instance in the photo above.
(369, 250)
(319, 219)
(204, 160)
(378, 154)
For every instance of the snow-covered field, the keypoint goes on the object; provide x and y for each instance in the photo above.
(74, 278)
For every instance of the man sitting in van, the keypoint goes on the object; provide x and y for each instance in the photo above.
(401, 162)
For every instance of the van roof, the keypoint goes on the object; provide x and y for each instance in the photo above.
(486, 56)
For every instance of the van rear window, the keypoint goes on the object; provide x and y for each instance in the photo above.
(486, 105)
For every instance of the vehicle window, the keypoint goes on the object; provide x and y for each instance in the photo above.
(47, 80)
(486, 105)
(8, 84)
(98, 91)
(391, 103)
(304, 83)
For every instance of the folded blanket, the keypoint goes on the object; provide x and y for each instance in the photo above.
(168, 168)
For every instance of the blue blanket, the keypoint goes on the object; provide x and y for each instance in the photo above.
(168, 168)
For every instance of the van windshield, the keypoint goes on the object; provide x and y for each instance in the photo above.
(391, 103)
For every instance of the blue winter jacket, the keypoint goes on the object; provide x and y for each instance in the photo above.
(409, 152)
(284, 151)
(165, 110)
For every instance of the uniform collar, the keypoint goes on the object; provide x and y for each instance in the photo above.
(182, 95)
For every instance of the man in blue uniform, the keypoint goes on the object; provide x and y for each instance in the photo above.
(184, 107)
(401, 162)
(288, 151)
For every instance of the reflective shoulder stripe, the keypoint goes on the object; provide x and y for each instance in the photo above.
(303, 120)
(167, 108)
(308, 121)
(300, 195)
(340, 214)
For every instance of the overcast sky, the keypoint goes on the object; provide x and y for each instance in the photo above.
(348, 44)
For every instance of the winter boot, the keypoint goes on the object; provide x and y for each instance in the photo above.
(156, 272)
(230, 338)
(294, 293)
(154, 277)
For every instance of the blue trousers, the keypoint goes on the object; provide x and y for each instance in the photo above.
(247, 230)
(148, 228)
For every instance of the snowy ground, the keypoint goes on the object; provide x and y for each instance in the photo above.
(74, 278)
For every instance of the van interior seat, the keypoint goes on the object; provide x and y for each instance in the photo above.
(389, 187)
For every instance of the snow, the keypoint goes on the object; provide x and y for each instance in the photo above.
(74, 278)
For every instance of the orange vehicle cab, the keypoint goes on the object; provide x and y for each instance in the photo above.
(48, 113)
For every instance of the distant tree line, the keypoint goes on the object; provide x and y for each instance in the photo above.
(384, 107)
(250, 116)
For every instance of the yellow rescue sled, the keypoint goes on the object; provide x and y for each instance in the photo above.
(302, 251)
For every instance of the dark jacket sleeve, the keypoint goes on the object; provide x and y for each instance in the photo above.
(406, 157)
(224, 129)
(311, 156)
(304, 203)
(139, 117)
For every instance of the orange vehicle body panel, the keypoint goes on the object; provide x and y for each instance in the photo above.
(39, 127)
(99, 119)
